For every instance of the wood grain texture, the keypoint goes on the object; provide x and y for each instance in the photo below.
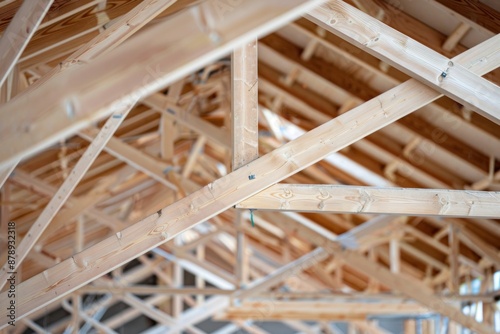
(395, 201)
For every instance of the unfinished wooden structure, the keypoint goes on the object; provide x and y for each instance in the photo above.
(250, 166)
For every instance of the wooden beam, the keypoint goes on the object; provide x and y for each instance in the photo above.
(222, 194)
(244, 131)
(453, 241)
(244, 104)
(376, 200)
(269, 310)
(76, 98)
(65, 190)
(19, 32)
(151, 290)
(437, 71)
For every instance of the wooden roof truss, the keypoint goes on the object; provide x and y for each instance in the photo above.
(306, 162)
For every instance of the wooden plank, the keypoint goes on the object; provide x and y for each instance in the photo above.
(19, 32)
(122, 29)
(6, 171)
(65, 190)
(244, 131)
(269, 310)
(221, 194)
(87, 93)
(376, 200)
(244, 104)
(411, 57)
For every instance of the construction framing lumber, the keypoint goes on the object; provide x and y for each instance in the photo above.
(391, 46)
(376, 200)
(63, 193)
(224, 193)
(19, 32)
(272, 310)
(87, 93)
(244, 104)
(5, 172)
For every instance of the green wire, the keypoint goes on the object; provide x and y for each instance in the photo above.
(251, 217)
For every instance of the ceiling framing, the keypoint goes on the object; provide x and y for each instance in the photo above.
(237, 166)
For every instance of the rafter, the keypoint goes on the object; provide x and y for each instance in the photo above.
(439, 72)
(376, 200)
(19, 32)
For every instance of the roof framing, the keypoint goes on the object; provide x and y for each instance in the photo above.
(211, 127)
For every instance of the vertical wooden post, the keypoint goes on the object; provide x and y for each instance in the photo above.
(410, 326)
(453, 258)
(395, 254)
(200, 283)
(244, 104)
(244, 130)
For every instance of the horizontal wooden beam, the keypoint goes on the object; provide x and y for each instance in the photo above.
(19, 32)
(376, 200)
(268, 310)
(77, 97)
(439, 72)
(151, 290)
